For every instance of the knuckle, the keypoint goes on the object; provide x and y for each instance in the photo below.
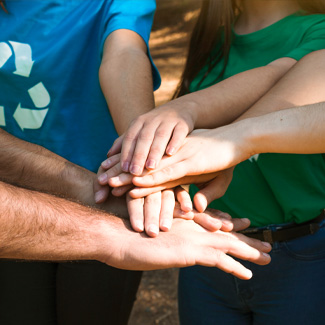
(182, 128)
(163, 133)
(156, 151)
(139, 156)
(130, 136)
(145, 135)
(152, 200)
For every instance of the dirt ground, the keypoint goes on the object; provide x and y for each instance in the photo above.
(157, 296)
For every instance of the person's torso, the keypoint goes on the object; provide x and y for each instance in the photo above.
(50, 54)
(274, 188)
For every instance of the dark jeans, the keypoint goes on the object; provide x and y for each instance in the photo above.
(87, 292)
(290, 290)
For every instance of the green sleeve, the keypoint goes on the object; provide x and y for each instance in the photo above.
(312, 40)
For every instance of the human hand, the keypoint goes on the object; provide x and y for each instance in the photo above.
(212, 186)
(213, 189)
(203, 152)
(186, 244)
(110, 173)
(213, 220)
(101, 191)
(109, 168)
(152, 213)
(195, 157)
(156, 212)
(151, 135)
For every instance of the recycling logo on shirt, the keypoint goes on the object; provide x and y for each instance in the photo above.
(26, 118)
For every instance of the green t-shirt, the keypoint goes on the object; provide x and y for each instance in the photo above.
(274, 188)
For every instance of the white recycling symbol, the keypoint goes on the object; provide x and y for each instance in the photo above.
(26, 118)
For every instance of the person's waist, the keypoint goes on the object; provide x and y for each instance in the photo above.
(285, 232)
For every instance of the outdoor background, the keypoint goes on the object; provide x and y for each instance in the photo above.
(157, 295)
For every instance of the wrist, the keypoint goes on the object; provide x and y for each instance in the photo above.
(253, 137)
(79, 184)
(189, 109)
(113, 238)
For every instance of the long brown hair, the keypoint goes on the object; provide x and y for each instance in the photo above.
(213, 27)
(2, 4)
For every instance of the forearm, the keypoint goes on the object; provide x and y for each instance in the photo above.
(302, 85)
(224, 102)
(126, 78)
(297, 130)
(39, 226)
(32, 166)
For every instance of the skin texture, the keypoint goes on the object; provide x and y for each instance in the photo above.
(40, 226)
(150, 136)
(126, 80)
(296, 133)
(163, 130)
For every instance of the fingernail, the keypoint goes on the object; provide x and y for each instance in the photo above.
(188, 205)
(139, 225)
(266, 255)
(249, 274)
(99, 196)
(266, 244)
(166, 225)
(125, 166)
(187, 208)
(103, 179)
(108, 153)
(153, 229)
(217, 222)
(245, 220)
(226, 222)
(151, 164)
(170, 151)
(106, 163)
(135, 170)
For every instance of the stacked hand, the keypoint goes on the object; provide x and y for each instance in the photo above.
(188, 244)
(204, 158)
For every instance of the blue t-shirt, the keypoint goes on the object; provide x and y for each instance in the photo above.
(50, 53)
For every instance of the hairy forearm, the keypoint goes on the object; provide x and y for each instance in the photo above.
(34, 167)
(224, 102)
(126, 78)
(39, 226)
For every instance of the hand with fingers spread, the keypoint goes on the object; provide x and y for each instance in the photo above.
(187, 243)
(152, 135)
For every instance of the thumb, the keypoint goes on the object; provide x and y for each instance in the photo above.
(212, 190)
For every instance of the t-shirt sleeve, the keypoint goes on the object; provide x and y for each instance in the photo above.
(312, 39)
(135, 15)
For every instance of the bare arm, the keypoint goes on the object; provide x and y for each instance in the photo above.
(225, 101)
(298, 130)
(164, 128)
(303, 85)
(126, 77)
(38, 226)
(34, 167)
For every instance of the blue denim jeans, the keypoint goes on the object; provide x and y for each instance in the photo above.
(290, 290)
